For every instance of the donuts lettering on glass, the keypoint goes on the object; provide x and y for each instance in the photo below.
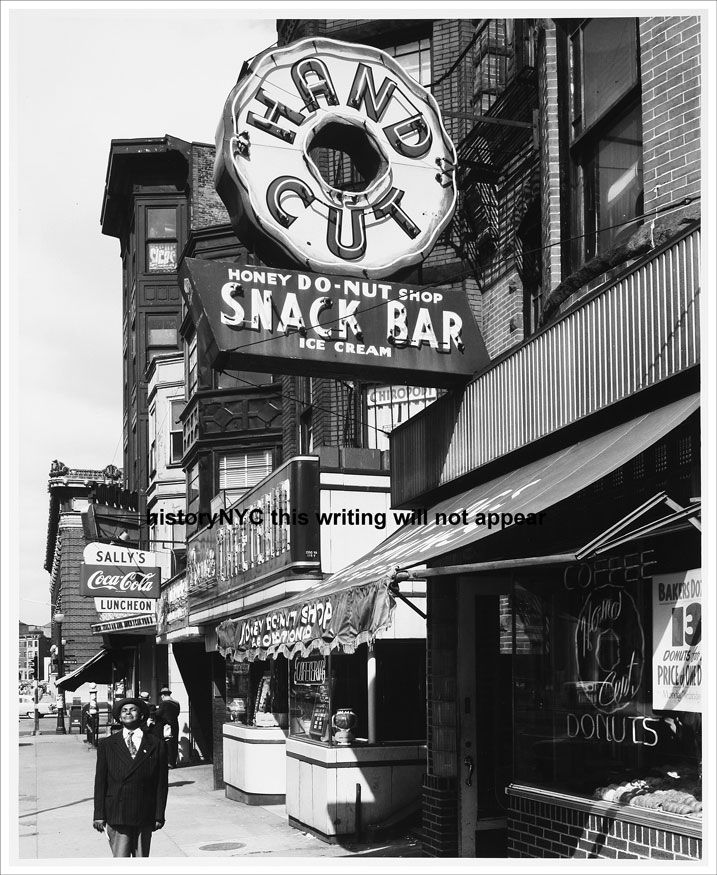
(331, 157)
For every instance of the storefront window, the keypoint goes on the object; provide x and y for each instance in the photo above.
(310, 698)
(237, 692)
(401, 690)
(257, 693)
(607, 682)
(320, 687)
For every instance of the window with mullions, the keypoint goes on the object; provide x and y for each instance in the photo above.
(306, 417)
(239, 472)
(606, 135)
(191, 366)
(161, 239)
(176, 432)
(193, 489)
(415, 58)
(386, 407)
(161, 334)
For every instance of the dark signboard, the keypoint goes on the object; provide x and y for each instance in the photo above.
(119, 580)
(303, 323)
(271, 528)
(322, 620)
(141, 621)
(201, 561)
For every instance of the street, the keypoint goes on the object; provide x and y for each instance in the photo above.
(55, 812)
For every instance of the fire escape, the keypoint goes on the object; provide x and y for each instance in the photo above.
(505, 116)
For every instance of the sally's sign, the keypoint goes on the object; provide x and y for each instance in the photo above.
(296, 322)
(109, 570)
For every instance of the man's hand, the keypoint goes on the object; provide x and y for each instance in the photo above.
(99, 825)
(158, 824)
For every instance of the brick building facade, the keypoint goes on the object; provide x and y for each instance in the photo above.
(545, 231)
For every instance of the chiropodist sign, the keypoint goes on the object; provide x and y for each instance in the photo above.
(330, 154)
(296, 322)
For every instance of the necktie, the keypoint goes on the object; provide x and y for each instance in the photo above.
(131, 746)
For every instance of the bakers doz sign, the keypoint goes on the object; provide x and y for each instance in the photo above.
(118, 571)
(298, 107)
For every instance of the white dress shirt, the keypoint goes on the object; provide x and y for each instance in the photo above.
(136, 735)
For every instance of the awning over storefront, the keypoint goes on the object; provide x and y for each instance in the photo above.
(646, 521)
(324, 618)
(530, 489)
(359, 596)
(97, 669)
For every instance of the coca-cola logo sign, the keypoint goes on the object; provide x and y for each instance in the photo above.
(96, 580)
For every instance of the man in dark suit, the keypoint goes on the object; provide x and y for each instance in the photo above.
(167, 724)
(151, 719)
(130, 783)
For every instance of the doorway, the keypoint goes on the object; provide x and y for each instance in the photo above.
(485, 648)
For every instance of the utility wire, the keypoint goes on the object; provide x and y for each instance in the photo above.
(301, 400)
(461, 275)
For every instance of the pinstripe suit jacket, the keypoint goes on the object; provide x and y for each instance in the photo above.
(130, 792)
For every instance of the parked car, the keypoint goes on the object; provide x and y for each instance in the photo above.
(27, 707)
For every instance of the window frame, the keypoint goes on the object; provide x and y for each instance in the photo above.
(193, 483)
(172, 461)
(191, 363)
(165, 317)
(421, 49)
(583, 145)
(223, 469)
(154, 239)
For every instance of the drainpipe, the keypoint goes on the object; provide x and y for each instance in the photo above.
(371, 678)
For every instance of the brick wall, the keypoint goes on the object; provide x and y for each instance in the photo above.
(544, 829)
(290, 29)
(79, 611)
(670, 69)
(440, 785)
(503, 313)
(439, 829)
(549, 155)
(206, 207)
(449, 38)
(219, 715)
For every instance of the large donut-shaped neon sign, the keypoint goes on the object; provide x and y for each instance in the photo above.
(295, 103)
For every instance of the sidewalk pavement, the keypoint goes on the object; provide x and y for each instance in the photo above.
(55, 814)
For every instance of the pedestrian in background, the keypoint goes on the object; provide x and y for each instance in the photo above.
(130, 783)
(167, 724)
(152, 718)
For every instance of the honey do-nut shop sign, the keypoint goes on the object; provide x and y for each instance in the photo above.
(290, 110)
(265, 319)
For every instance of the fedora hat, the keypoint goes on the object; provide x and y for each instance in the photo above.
(140, 703)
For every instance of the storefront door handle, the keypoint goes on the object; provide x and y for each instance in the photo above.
(468, 763)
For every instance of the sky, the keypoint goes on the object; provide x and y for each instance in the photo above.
(77, 79)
